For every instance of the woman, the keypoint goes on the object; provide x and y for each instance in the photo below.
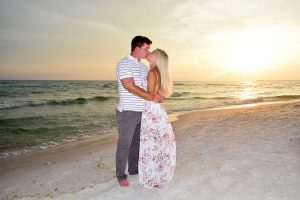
(157, 155)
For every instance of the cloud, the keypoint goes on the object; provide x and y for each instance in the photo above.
(194, 32)
(51, 16)
(196, 19)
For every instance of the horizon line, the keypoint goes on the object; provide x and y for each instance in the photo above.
(259, 80)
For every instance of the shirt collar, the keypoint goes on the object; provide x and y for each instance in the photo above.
(132, 58)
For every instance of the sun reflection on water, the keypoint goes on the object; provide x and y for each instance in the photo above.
(247, 91)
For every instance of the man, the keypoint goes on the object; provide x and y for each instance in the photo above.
(130, 70)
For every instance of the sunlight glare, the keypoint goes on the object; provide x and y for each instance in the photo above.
(251, 51)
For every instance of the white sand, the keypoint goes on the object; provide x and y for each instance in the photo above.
(241, 153)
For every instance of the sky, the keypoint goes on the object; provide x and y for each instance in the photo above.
(206, 40)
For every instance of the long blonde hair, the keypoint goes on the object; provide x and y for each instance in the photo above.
(162, 62)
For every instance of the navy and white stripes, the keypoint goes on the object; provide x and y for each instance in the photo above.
(131, 67)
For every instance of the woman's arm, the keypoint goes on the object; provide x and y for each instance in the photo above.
(129, 84)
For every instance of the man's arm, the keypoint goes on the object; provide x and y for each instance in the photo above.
(129, 84)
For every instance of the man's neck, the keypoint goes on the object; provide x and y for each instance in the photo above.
(135, 56)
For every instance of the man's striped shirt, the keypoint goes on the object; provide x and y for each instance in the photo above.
(131, 67)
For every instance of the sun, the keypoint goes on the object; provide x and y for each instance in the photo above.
(250, 52)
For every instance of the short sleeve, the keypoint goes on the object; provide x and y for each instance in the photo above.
(124, 71)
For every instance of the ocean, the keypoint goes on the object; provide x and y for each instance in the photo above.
(37, 115)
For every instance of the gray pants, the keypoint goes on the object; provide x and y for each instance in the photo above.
(129, 123)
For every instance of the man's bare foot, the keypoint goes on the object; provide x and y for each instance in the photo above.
(123, 183)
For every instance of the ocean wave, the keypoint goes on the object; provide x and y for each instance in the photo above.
(254, 100)
(180, 96)
(53, 102)
(286, 97)
(19, 147)
(112, 85)
(271, 99)
(101, 98)
(68, 102)
(36, 147)
(216, 84)
(188, 95)
(213, 98)
(20, 121)
(179, 84)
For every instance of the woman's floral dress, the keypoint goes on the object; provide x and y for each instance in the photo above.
(157, 156)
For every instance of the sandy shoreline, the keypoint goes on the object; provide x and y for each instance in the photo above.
(236, 153)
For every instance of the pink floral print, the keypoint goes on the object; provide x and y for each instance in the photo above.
(157, 156)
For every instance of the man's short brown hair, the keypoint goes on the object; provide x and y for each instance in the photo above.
(139, 41)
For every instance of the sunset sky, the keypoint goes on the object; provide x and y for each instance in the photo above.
(206, 40)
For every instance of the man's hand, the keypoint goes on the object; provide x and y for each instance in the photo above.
(128, 83)
(158, 98)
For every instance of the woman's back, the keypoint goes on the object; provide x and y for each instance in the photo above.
(158, 80)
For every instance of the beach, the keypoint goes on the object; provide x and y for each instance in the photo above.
(246, 152)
